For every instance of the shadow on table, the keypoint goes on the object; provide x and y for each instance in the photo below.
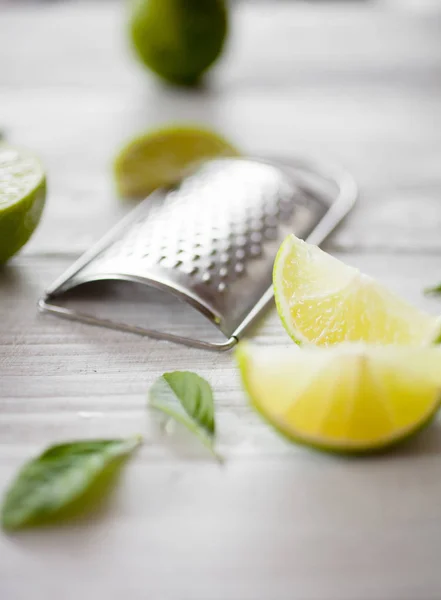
(9, 277)
(428, 441)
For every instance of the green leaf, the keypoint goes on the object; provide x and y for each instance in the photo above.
(59, 477)
(187, 398)
(433, 290)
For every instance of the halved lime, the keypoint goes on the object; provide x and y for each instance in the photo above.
(22, 197)
(350, 398)
(323, 301)
(160, 157)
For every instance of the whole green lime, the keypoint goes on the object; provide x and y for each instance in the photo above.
(178, 39)
(22, 197)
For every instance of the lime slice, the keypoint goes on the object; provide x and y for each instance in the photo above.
(350, 398)
(323, 301)
(22, 196)
(159, 158)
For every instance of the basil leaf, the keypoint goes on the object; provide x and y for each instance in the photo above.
(57, 478)
(433, 290)
(188, 399)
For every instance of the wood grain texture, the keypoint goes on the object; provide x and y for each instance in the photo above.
(357, 84)
(351, 81)
(389, 141)
(84, 380)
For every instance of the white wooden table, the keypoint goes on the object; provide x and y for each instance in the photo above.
(354, 82)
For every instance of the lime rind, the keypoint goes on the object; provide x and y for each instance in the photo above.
(435, 337)
(22, 198)
(280, 300)
(343, 446)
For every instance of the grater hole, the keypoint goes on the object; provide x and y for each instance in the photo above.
(189, 269)
(255, 250)
(256, 225)
(226, 246)
(239, 229)
(272, 210)
(286, 212)
(170, 263)
(239, 268)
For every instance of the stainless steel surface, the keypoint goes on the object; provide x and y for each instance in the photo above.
(212, 239)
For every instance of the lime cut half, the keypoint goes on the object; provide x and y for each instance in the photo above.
(160, 158)
(22, 197)
(322, 301)
(350, 398)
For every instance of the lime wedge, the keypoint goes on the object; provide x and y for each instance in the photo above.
(22, 197)
(159, 158)
(322, 301)
(350, 398)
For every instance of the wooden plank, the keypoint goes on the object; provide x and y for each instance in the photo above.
(388, 140)
(61, 379)
(280, 44)
(356, 82)
(273, 521)
(371, 106)
(315, 529)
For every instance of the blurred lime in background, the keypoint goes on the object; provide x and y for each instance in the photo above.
(178, 39)
(22, 198)
(158, 158)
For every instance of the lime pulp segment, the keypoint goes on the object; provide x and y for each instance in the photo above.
(323, 301)
(350, 398)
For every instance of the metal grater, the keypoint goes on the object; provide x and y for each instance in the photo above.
(211, 240)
